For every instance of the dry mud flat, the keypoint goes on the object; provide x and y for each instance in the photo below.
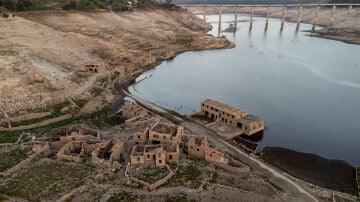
(345, 27)
(331, 174)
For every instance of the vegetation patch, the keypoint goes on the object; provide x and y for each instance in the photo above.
(7, 52)
(46, 179)
(23, 5)
(81, 102)
(103, 118)
(181, 198)
(190, 175)
(3, 198)
(13, 156)
(58, 107)
(29, 121)
(123, 196)
(95, 91)
(214, 178)
(59, 124)
(9, 137)
(149, 173)
(103, 82)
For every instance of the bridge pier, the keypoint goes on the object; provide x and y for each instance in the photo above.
(315, 17)
(283, 18)
(235, 21)
(350, 11)
(267, 18)
(251, 18)
(332, 16)
(299, 18)
(204, 14)
(220, 13)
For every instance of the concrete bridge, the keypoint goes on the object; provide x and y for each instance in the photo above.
(268, 6)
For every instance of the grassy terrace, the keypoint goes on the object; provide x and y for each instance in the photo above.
(190, 174)
(101, 119)
(45, 179)
(9, 137)
(13, 157)
(151, 174)
(124, 196)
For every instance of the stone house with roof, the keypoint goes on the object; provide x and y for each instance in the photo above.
(222, 112)
(233, 116)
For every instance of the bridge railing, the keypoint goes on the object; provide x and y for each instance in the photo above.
(268, 5)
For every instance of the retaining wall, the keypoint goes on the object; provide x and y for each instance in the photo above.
(40, 124)
(20, 165)
(155, 184)
(25, 117)
(232, 169)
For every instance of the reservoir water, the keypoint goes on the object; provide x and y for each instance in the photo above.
(306, 89)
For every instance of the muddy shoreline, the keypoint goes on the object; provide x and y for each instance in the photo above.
(332, 174)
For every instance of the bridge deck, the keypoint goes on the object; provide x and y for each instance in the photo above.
(266, 5)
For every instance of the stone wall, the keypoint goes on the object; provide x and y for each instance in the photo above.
(140, 121)
(134, 110)
(196, 151)
(57, 145)
(140, 137)
(25, 117)
(163, 180)
(36, 125)
(232, 169)
(45, 150)
(155, 184)
(114, 147)
(67, 149)
(137, 160)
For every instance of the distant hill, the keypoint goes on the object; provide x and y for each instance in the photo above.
(261, 1)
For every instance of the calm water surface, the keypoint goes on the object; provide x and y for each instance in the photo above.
(307, 89)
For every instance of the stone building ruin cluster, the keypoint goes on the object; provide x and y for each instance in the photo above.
(129, 62)
(159, 144)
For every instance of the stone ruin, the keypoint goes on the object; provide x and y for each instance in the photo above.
(74, 151)
(198, 147)
(109, 154)
(95, 67)
(132, 60)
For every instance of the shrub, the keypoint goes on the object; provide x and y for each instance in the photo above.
(5, 15)
(23, 5)
(83, 4)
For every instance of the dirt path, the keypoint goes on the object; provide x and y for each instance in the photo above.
(290, 187)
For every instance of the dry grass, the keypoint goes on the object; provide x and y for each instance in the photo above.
(46, 179)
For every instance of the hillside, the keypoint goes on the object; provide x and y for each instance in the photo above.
(43, 53)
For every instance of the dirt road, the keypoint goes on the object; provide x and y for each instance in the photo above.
(289, 187)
